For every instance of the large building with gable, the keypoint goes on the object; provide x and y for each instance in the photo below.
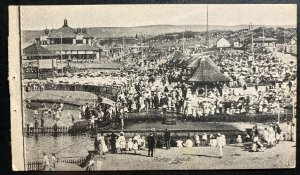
(70, 43)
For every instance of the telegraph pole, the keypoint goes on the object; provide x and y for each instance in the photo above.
(142, 52)
(252, 43)
(263, 36)
(183, 42)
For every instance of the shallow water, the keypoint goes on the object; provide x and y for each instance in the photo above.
(64, 146)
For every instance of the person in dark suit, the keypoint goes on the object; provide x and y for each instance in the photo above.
(156, 102)
(113, 139)
(151, 144)
(167, 137)
(87, 113)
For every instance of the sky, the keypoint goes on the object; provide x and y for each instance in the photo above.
(40, 17)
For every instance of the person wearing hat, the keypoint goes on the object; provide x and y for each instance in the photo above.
(151, 144)
(167, 137)
(46, 162)
(122, 142)
(220, 144)
(113, 138)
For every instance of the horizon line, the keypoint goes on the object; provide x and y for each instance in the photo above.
(294, 25)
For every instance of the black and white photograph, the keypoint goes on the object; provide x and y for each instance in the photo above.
(156, 87)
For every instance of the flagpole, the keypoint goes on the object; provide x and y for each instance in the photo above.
(61, 60)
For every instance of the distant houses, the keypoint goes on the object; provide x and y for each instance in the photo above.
(222, 42)
(265, 41)
(291, 46)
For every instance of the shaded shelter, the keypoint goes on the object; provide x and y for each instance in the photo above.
(207, 73)
(37, 52)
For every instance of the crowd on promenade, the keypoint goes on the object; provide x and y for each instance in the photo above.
(163, 88)
(265, 67)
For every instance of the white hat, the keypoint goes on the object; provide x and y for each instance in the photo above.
(219, 134)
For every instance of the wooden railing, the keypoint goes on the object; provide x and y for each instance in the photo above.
(257, 118)
(61, 130)
(38, 165)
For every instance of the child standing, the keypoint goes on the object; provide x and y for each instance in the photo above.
(143, 143)
(130, 144)
(135, 145)
(204, 139)
(197, 139)
(122, 142)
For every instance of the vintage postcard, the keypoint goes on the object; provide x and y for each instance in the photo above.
(153, 87)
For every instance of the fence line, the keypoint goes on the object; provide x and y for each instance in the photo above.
(38, 165)
(61, 130)
(103, 89)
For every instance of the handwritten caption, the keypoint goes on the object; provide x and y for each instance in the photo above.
(175, 160)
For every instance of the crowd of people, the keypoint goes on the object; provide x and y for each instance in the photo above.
(263, 67)
(163, 88)
(118, 143)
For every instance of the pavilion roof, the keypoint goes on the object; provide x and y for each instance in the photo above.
(207, 72)
(70, 47)
(37, 50)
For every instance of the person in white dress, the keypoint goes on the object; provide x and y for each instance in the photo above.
(104, 147)
(223, 139)
(204, 139)
(179, 143)
(266, 135)
(135, 144)
(197, 140)
(212, 140)
(130, 144)
(239, 140)
(188, 143)
(143, 143)
(220, 144)
(122, 142)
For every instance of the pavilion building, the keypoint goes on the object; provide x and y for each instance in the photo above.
(69, 43)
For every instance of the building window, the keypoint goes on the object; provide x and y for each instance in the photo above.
(79, 41)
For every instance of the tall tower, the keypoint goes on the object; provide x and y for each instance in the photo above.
(65, 23)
